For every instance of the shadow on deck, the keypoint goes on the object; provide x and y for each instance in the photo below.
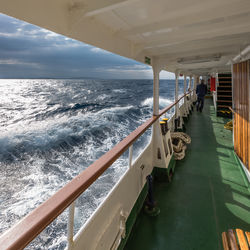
(207, 196)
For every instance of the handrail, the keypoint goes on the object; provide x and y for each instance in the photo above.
(30, 226)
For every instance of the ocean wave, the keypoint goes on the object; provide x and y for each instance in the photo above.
(63, 132)
(119, 91)
(103, 97)
(52, 130)
(163, 102)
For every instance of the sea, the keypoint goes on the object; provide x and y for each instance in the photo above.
(53, 129)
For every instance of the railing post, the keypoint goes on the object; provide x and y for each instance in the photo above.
(130, 156)
(71, 225)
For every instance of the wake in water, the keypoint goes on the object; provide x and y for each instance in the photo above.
(51, 130)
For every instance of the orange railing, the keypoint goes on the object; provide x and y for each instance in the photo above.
(28, 228)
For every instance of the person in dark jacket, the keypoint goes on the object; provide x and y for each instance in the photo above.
(201, 91)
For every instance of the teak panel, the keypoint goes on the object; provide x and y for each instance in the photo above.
(241, 107)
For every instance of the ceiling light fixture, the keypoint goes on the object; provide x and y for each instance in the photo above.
(199, 59)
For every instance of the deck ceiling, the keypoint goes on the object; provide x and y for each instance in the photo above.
(190, 36)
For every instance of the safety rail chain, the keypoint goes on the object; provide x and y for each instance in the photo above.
(21, 234)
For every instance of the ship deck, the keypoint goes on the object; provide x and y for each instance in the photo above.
(207, 196)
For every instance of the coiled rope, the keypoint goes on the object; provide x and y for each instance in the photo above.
(229, 125)
(179, 140)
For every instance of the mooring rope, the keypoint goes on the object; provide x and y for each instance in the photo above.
(180, 140)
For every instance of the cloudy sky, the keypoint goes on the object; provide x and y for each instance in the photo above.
(27, 51)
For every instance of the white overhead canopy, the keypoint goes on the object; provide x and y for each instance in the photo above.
(190, 36)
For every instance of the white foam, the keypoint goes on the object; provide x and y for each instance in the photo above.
(119, 90)
(102, 97)
(46, 132)
(163, 102)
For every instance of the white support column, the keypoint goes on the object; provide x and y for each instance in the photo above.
(194, 88)
(195, 79)
(177, 111)
(189, 84)
(197, 82)
(185, 98)
(156, 72)
(160, 142)
(157, 135)
(185, 84)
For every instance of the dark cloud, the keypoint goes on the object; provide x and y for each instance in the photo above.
(27, 51)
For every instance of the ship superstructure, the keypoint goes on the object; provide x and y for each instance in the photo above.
(191, 38)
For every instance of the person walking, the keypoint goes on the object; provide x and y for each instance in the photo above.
(201, 91)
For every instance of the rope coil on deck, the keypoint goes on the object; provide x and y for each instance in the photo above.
(179, 140)
(229, 125)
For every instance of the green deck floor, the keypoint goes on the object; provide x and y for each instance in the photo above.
(207, 196)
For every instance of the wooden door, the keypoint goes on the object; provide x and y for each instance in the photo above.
(241, 97)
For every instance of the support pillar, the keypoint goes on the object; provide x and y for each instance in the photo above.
(197, 82)
(178, 116)
(185, 84)
(190, 95)
(177, 111)
(162, 148)
(189, 84)
(185, 98)
(156, 126)
(194, 88)
(156, 72)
